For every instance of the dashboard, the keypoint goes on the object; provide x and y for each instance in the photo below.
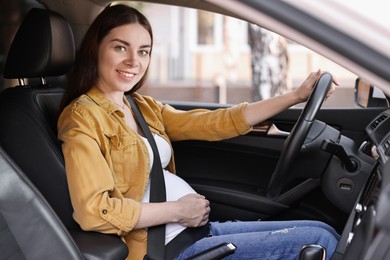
(367, 233)
(379, 133)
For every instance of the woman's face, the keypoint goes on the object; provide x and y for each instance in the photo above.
(123, 57)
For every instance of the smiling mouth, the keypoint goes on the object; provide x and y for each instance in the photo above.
(126, 74)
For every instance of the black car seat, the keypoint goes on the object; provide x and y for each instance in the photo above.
(43, 47)
(29, 228)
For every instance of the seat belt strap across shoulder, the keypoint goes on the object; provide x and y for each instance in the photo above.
(156, 234)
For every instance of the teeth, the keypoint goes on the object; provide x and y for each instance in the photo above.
(129, 75)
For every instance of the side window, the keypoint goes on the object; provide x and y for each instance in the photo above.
(202, 56)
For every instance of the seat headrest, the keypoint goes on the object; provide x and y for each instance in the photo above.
(42, 47)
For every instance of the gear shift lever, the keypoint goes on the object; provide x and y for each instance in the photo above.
(338, 150)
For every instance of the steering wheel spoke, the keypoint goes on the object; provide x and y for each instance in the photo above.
(295, 140)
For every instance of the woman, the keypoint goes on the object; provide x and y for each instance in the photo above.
(108, 160)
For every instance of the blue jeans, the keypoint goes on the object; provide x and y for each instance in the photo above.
(267, 239)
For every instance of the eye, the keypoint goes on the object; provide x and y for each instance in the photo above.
(120, 48)
(143, 52)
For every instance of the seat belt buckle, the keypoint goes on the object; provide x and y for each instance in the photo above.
(216, 252)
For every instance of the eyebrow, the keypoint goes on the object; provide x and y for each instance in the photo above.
(128, 44)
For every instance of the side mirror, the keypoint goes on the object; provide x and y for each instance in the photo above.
(367, 95)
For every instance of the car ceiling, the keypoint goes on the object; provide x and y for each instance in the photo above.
(72, 9)
(365, 60)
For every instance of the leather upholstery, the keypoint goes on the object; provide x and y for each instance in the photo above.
(41, 46)
(30, 227)
(28, 138)
(29, 114)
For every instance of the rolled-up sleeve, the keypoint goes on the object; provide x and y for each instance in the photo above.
(98, 204)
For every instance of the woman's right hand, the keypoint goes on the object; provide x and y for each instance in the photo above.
(194, 210)
(304, 90)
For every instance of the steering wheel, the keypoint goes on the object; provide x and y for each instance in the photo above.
(298, 135)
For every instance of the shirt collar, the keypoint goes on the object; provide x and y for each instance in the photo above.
(101, 100)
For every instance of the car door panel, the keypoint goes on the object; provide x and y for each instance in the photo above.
(233, 174)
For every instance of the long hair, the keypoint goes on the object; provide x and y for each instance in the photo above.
(85, 71)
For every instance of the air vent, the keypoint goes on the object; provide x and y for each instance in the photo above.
(378, 121)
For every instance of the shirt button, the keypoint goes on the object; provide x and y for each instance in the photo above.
(104, 211)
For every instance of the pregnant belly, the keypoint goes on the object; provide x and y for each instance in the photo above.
(176, 188)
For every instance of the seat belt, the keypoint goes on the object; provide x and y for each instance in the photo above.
(156, 234)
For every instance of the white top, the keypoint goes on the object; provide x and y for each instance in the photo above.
(175, 186)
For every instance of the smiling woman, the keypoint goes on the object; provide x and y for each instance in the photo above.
(108, 160)
(123, 61)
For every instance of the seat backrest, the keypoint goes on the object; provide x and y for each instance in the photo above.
(42, 47)
(29, 228)
(28, 116)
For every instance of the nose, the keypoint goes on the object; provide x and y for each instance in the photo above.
(131, 62)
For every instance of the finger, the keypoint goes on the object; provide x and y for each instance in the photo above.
(314, 76)
(336, 82)
(204, 222)
(201, 196)
(330, 92)
(332, 88)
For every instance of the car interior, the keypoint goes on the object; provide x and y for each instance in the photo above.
(35, 208)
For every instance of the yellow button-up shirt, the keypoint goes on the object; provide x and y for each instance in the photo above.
(107, 163)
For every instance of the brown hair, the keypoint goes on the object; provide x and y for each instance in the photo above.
(85, 71)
